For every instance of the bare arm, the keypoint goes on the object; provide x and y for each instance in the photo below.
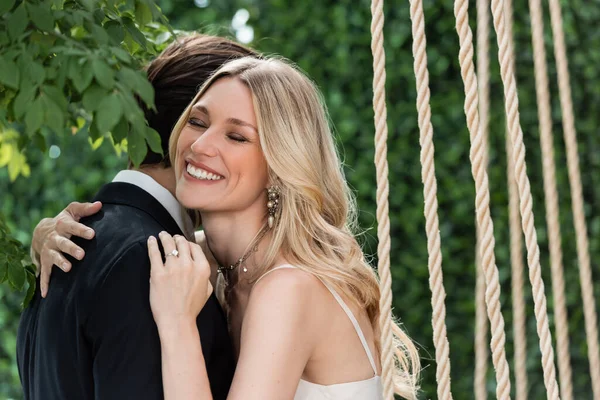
(279, 332)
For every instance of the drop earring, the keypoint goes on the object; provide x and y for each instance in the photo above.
(273, 195)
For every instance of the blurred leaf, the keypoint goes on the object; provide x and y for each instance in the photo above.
(80, 74)
(34, 116)
(41, 17)
(136, 146)
(105, 76)
(17, 22)
(31, 280)
(115, 31)
(6, 5)
(9, 73)
(16, 276)
(154, 140)
(108, 113)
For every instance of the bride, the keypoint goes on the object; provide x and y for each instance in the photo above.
(254, 154)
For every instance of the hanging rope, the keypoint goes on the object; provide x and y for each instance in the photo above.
(517, 270)
(533, 251)
(483, 84)
(436, 282)
(550, 194)
(484, 220)
(585, 274)
(383, 219)
(516, 246)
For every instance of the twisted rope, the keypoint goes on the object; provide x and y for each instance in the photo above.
(436, 282)
(481, 330)
(383, 220)
(533, 251)
(551, 196)
(483, 83)
(484, 220)
(570, 135)
(516, 246)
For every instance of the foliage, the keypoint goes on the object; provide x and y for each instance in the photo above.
(331, 42)
(74, 67)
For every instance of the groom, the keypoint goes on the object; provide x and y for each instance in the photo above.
(93, 336)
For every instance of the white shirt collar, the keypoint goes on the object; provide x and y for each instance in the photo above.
(162, 195)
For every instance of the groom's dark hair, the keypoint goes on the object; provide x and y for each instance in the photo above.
(177, 74)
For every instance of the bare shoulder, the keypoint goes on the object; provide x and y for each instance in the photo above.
(293, 292)
(292, 283)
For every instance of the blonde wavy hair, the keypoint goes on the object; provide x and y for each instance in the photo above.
(317, 214)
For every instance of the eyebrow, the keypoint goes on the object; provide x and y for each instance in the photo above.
(234, 121)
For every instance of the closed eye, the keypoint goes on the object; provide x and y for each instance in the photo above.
(197, 122)
(237, 137)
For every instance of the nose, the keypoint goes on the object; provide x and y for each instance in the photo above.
(205, 144)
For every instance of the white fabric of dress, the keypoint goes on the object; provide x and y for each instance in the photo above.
(369, 389)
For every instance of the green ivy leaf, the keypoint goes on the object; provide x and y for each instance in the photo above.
(9, 73)
(56, 95)
(136, 146)
(138, 83)
(80, 74)
(16, 275)
(99, 34)
(92, 97)
(41, 17)
(105, 76)
(31, 280)
(6, 5)
(23, 101)
(120, 131)
(115, 31)
(109, 112)
(131, 111)
(34, 116)
(54, 116)
(143, 14)
(154, 141)
(135, 32)
(17, 22)
(121, 54)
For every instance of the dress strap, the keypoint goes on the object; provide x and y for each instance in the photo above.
(285, 266)
(346, 309)
(359, 331)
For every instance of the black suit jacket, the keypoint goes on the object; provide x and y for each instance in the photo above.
(94, 337)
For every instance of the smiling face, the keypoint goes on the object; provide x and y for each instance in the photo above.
(220, 164)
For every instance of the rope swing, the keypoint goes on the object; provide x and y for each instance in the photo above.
(521, 219)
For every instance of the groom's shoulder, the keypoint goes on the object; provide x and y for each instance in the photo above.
(127, 218)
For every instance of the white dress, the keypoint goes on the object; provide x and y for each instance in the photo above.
(369, 389)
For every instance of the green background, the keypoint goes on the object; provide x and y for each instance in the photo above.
(330, 40)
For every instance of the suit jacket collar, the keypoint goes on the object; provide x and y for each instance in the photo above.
(133, 196)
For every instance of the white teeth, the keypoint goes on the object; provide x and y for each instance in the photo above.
(199, 173)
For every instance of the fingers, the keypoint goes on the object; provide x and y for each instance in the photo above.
(67, 226)
(80, 210)
(183, 247)
(66, 246)
(197, 254)
(45, 280)
(156, 262)
(168, 244)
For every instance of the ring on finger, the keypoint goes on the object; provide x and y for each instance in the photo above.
(174, 253)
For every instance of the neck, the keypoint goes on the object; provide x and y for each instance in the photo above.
(230, 235)
(163, 176)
